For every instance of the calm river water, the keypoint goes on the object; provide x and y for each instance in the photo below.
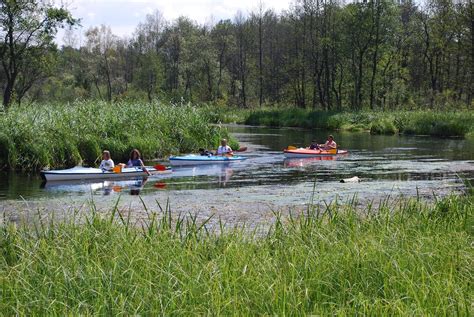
(387, 165)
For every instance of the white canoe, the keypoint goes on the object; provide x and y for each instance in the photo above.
(80, 172)
(193, 159)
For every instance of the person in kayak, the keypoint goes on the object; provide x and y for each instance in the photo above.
(204, 152)
(135, 160)
(329, 145)
(314, 145)
(107, 164)
(224, 149)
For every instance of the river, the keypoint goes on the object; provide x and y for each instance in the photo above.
(254, 189)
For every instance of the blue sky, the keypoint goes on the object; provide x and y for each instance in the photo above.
(124, 15)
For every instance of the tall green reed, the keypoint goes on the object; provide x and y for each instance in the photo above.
(61, 135)
(435, 123)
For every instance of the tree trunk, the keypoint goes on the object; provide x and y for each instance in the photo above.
(209, 80)
(358, 89)
(221, 68)
(471, 86)
(109, 80)
(7, 94)
(374, 58)
(150, 87)
(260, 59)
(242, 72)
(11, 70)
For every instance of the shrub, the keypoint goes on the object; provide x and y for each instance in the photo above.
(66, 154)
(335, 122)
(448, 128)
(383, 126)
(4, 149)
(89, 149)
(435, 123)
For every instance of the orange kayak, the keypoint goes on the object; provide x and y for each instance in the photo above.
(307, 152)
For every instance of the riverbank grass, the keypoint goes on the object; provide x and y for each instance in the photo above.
(401, 258)
(62, 135)
(434, 123)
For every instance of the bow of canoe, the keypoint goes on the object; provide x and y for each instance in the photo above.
(193, 159)
(79, 173)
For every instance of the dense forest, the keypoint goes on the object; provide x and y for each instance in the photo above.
(318, 54)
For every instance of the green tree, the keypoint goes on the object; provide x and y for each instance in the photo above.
(149, 74)
(102, 47)
(222, 41)
(27, 26)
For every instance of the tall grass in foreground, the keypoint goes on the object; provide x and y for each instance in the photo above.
(60, 135)
(408, 258)
(435, 123)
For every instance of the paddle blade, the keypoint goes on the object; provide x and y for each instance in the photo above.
(241, 149)
(159, 185)
(160, 167)
(117, 169)
(291, 147)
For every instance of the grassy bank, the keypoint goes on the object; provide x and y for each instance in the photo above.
(225, 114)
(405, 258)
(61, 135)
(434, 123)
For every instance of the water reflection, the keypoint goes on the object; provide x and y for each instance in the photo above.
(193, 177)
(105, 188)
(225, 175)
(223, 172)
(137, 186)
(301, 162)
(380, 161)
(275, 139)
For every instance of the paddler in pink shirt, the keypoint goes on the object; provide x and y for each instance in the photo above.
(329, 145)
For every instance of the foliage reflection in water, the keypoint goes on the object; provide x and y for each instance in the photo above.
(378, 160)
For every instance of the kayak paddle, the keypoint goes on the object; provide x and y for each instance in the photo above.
(160, 167)
(159, 185)
(146, 171)
(241, 149)
(291, 147)
(117, 169)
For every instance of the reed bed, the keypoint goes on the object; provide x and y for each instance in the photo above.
(401, 258)
(434, 123)
(62, 135)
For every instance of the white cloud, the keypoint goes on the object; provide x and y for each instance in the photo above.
(124, 15)
(91, 15)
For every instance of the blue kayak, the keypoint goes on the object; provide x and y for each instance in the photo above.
(193, 159)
